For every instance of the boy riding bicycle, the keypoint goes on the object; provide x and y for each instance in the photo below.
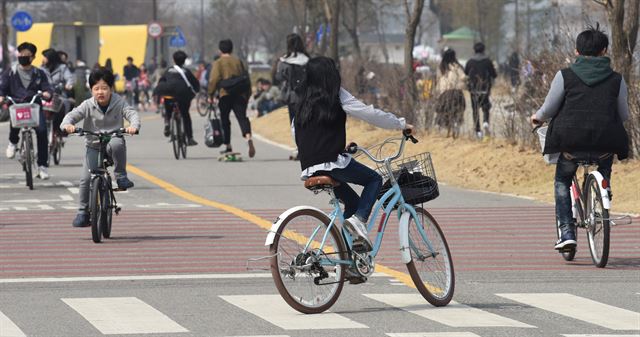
(587, 104)
(104, 111)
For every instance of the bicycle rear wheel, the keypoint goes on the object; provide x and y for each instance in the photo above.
(598, 226)
(96, 214)
(56, 148)
(296, 269)
(173, 125)
(28, 156)
(183, 140)
(430, 270)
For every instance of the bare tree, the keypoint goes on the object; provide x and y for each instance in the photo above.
(351, 26)
(413, 18)
(5, 37)
(332, 13)
(624, 32)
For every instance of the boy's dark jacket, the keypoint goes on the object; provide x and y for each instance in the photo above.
(588, 119)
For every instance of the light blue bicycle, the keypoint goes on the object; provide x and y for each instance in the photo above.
(312, 257)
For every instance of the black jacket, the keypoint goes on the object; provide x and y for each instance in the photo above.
(481, 72)
(321, 142)
(172, 84)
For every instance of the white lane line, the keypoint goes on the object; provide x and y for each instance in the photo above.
(66, 197)
(65, 183)
(434, 334)
(134, 278)
(581, 308)
(20, 208)
(8, 328)
(74, 190)
(454, 315)
(591, 335)
(273, 309)
(123, 315)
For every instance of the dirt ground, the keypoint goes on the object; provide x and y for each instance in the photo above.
(492, 165)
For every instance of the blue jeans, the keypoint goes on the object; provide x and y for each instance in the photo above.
(359, 174)
(565, 170)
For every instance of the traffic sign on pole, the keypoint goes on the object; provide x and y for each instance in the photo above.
(21, 21)
(178, 40)
(155, 30)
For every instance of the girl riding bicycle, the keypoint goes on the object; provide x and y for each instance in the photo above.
(320, 134)
(104, 111)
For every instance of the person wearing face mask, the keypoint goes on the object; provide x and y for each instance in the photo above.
(22, 82)
(104, 111)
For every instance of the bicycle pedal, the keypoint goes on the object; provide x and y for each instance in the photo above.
(117, 210)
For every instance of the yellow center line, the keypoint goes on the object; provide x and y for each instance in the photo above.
(260, 222)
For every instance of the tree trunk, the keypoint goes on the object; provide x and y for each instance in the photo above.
(413, 18)
(6, 63)
(332, 13)
(352, 29)
(624, 32)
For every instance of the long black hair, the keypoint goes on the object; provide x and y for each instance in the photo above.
(320, 96)
(295, 45)
(53, 59)
(448, 60)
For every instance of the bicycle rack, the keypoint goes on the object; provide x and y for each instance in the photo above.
(258, 259)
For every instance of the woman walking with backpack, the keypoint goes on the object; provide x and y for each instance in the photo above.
(291, 74)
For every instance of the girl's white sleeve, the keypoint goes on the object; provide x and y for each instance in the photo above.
(368, 113)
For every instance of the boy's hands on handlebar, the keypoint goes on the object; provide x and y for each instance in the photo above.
(131, 130)
(70, 128)
(46, 95)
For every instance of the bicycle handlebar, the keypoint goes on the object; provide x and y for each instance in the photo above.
(33, 99)
(118, 132)
(353, 148)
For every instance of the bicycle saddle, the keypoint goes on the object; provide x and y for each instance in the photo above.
(320, 183)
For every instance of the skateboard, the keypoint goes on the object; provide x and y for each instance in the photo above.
(231, 156)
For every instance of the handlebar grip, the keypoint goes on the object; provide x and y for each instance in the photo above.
(352, 148)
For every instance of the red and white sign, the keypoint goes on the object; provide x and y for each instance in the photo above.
(23, 114)
(155, 30)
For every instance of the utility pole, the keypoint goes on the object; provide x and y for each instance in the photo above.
(155, 41)
(5, 37)
(202, 43)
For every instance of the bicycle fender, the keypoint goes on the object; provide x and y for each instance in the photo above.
(278, 222)
(405, 253)
(606, 203)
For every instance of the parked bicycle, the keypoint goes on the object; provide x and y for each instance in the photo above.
(26, 116)
(202, 104)
(102, 199)
(178, 136)
(311, 257)
(591, 204)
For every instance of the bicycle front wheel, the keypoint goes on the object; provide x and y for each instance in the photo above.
(96, 214)
(431, 267)
(108, 212)
(597, 224)
(175, 141)
(201, 104)
(28, 159)
(183, 139)
(305, 276)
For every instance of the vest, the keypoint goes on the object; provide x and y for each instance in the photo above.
(588, 119)
(321, 142)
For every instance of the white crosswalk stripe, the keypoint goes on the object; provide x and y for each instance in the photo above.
(580, 308)
(8, 328)
(454, 314)
(434, 334)
(123, 315)
(273, 309)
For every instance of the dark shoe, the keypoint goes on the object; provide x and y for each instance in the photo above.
(227, 150)
(167, 131)
(124, 183)
(191, 142)
(81, 220)
(252, 149)
(567, 239)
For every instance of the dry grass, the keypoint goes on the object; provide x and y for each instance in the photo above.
(489, 166)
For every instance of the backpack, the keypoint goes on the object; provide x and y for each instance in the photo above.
(296, 76)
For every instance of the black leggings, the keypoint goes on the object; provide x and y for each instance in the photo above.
(238, 104)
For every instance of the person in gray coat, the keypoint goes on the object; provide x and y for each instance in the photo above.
(104, 111)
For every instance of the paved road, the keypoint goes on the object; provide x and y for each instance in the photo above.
(177, 263)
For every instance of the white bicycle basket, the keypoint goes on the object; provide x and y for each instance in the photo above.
(24, 115)
(548, 158)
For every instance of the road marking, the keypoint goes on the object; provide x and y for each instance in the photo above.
(260, 222)
(582, 309)
(8, 328)
(123, 315)
(590, 335)
(273, 309)
(434, 334)
(454, 315)
(135, 278)
(65, 183)
(74, 190)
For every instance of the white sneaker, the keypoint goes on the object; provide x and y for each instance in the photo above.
(485, 128)
(479, 134)
(358, 229)
(43, 172)
(11, 151)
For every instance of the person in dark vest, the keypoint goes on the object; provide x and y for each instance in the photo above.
(587, 104)
(481, 73)
(320, 134)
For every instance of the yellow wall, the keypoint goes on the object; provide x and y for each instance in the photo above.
(118, 42)
(40, 35)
